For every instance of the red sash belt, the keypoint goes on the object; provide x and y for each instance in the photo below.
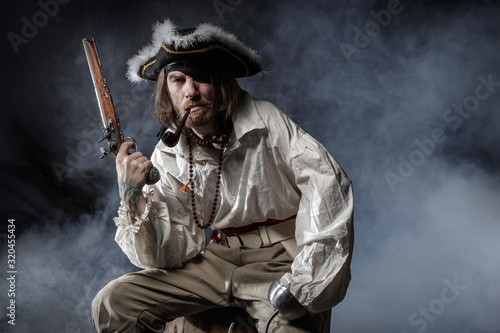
(254, 226)
(247, 228)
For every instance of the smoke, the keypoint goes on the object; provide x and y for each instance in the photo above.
(399, 107)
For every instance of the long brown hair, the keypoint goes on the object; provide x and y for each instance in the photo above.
(227, 96)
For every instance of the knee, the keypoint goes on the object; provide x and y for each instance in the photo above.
(103, 296)
(107, 304)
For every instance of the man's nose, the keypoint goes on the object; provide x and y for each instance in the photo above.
(190, 88)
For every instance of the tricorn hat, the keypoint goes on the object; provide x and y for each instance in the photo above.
(206, 44)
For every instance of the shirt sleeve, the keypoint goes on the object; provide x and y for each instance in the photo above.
(320, 273)
(163, 236)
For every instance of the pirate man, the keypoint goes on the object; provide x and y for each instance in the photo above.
(279, 205)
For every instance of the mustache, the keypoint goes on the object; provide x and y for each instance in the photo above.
(201, 102)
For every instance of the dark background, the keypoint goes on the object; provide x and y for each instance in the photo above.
(427, 214)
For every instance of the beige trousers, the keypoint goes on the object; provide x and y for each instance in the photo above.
(219, 277)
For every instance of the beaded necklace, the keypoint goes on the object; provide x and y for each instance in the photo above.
(223, 141)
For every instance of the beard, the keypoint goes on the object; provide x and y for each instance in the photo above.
(207, 115)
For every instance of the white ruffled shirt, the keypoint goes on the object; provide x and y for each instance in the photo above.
(272, 170)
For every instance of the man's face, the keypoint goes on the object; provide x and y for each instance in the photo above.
(186, 93)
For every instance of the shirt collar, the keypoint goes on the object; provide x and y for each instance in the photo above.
(245, 119)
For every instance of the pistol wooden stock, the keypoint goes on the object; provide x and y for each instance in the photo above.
(111, 125)
(110, 122)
